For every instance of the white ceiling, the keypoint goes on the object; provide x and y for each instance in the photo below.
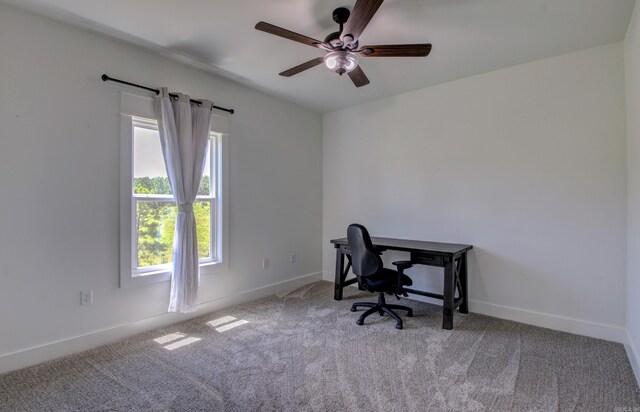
(469, 37)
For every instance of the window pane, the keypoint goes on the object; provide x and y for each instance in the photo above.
(202, 210)
(155, 225)
(205, 184)
(149, 173)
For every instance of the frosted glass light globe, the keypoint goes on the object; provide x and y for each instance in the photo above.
(341, 61)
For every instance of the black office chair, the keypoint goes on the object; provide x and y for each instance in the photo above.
(372, 276)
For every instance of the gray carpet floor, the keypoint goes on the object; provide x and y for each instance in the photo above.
(302, 351)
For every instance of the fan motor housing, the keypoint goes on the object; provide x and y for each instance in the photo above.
(334, 39)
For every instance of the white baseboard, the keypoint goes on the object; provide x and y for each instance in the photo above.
(634, 359)
(550, 321)
(41, 353)
(545, 320)
(555, 322)
(330, 276)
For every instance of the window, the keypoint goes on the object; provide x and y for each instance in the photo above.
(148, 209)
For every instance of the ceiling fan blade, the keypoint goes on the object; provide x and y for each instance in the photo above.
(361, 14)
(302, 67)
(397, 50)
(287, 34)
(358, 77)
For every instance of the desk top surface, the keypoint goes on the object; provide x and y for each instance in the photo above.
(412, 245)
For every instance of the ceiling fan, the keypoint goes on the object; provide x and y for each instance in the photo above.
(343, 51)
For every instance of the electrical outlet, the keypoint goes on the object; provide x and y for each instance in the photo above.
(265, 263)
(86, 297)
(292, 258)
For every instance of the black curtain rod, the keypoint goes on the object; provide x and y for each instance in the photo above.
(156, 91)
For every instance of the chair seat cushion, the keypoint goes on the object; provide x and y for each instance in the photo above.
(385, 280)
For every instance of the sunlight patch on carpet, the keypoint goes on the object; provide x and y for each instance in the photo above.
(181, 343)
(220, 321)
(169, 338)
(232, 325)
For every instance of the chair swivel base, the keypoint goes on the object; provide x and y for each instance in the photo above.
(381, 307)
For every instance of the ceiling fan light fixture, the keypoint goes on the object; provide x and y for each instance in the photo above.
(342, 47)
(341, 61)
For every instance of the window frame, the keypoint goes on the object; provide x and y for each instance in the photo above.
(137, 111)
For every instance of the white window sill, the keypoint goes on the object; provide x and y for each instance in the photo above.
(164, 274)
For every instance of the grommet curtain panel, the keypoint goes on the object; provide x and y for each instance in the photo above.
(184, 135)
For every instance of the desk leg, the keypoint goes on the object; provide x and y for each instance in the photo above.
(464, 307)
(448, 295)
(337, 293)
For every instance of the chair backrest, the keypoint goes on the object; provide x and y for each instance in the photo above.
(365, 260)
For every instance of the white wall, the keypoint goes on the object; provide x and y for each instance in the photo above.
(526, 163)
(59, 163)
(632, 72)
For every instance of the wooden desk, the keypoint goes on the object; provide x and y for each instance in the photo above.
(451, 257)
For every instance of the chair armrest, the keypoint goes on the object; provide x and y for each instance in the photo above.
(401, 265)
(404, 264)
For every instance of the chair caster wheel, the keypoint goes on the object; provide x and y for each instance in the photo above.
(359, 322)
(398, 326)
(353, 309)
(410, 314)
